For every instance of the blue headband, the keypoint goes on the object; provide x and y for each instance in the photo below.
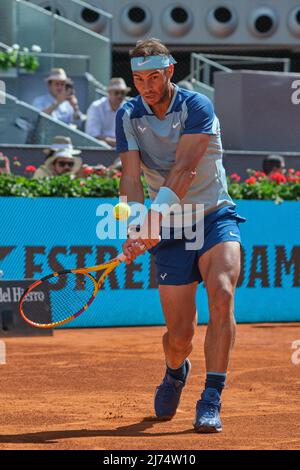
(151, 62)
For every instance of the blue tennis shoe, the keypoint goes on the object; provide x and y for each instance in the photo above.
(207, 418)
(167, 395)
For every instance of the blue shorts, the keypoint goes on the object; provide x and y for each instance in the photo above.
(175, 265)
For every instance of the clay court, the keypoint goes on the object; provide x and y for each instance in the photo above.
(93, 389)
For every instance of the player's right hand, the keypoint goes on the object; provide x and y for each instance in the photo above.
(132, 249)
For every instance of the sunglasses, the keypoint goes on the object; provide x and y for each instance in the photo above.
(62, 164)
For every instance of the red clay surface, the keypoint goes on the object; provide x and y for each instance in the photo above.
(93, 389)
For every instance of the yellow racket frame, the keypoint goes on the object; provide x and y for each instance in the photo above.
(108, 267)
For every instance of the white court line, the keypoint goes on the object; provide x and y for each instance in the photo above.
(2, 353)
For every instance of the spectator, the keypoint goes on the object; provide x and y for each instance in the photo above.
(60, 159)
(4, 165)
(273, 164)
(101, 114)
(60, 102)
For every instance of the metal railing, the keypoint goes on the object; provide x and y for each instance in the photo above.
(49, 60)
(202, 69)
(204, 66)
(251, 61)
(53, 8)
(62, 35)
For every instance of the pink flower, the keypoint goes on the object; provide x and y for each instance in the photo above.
(251, 180)
(293, 179)
(260, 174)
(88, 171)
(30, 168)
(235, 177)
(279, 178)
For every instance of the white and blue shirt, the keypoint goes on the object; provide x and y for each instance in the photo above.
(64, 112)
(137, 128)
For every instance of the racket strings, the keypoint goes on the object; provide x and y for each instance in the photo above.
(63, 297)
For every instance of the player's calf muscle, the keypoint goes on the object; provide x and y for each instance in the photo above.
(178, 346)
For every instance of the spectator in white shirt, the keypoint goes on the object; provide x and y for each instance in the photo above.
(60, 102)
(101, 114)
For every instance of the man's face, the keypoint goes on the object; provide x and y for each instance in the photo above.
(152, 85)
(63, 165)
(56, 87)
(116, 96)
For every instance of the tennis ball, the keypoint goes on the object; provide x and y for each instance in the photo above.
(121, 211)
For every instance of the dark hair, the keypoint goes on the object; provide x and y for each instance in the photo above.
(149, 47)
(271, 162)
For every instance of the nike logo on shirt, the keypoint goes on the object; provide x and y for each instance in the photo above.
(175, 125)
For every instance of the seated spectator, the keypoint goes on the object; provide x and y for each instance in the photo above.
(60, 102)
(60, 159)
(101, 114)
(4, 165)
(273, 164)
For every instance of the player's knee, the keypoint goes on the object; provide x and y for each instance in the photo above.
(182, 339)
(222, 303)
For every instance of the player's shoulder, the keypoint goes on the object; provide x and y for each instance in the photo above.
(192, 98)
(133, 108)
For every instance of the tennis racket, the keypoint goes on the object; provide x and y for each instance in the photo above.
(71, 292)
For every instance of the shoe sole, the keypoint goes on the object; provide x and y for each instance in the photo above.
(168, 418)
(206, 429)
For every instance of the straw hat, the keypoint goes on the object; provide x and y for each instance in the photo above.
(57, 74)
(62, 147)
(118, 83)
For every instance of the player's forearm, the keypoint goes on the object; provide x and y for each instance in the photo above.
(132, 188)
(180, 179)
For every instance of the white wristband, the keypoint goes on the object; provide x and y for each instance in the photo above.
(164, 200)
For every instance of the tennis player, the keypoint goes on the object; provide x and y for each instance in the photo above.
(173, 136)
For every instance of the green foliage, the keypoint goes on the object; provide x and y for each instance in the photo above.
(25, 59)
(60, 186)
(265, 189)
(108, 186)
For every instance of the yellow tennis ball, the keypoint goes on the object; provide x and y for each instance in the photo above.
(122, 211)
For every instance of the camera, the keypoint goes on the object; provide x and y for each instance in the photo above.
(69, 87)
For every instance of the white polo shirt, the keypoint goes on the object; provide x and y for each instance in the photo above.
(101, 119)
(64, 112)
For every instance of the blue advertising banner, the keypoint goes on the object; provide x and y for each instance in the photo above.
(38, 236)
